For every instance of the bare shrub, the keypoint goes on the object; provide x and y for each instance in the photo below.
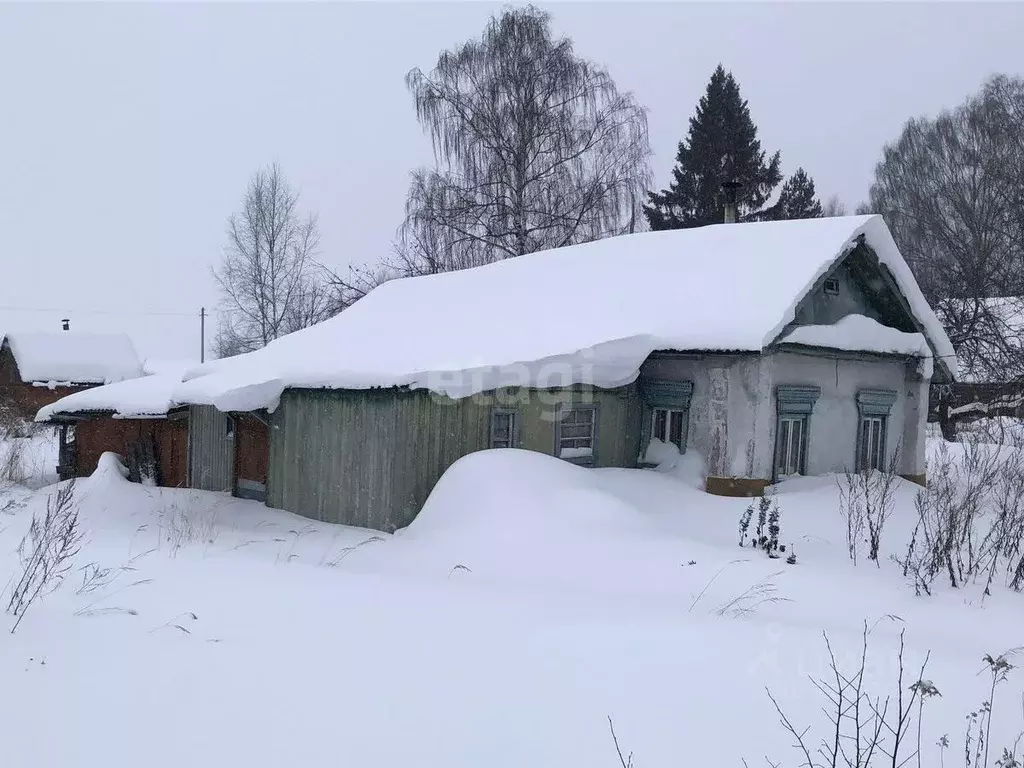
(762, 592)
(626, 761)
(866, 501)
(97, 580)
(12, 461)
(970, 519)
(46, 552)
(17, 463)
(868, 729)
(767, 527)
(865, 728)
(978, 735)
(333, 559)
(184, 523)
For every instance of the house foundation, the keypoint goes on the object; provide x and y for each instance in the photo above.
(735, 486)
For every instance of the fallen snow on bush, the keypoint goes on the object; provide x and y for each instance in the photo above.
(531, 600)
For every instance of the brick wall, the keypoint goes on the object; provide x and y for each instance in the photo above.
(21, 398)
(170, 437)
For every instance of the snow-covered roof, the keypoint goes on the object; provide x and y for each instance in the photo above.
(162, 367)
(861, 334)
(588, 313)
(144, 397)
(77, 358)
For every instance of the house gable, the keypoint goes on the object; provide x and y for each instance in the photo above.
(860, 284)
(855, 285)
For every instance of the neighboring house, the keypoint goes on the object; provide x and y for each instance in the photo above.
(139, 420)
(133, 418)
(38, 368)
(770, 349)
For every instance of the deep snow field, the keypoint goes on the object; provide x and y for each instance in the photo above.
(528, 603)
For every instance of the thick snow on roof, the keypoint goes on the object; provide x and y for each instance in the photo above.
(79, 358)
(144, 397)
(162, 367)
(588, 313)
(861, 334)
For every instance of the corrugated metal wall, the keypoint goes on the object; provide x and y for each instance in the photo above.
(210, 449)
(370, 458)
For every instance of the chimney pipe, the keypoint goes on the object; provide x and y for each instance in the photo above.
(731, 188)
(65, 324)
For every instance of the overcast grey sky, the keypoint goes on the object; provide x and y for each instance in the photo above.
(128, 132)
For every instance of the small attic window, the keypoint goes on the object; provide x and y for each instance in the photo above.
(832, 287)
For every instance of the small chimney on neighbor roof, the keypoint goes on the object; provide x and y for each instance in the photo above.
(731, 189)
(65, 324)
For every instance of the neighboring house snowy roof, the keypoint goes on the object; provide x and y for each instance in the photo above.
(144, 397)
(588, 313)
(77, 358)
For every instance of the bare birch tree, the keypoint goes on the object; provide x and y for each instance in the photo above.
(833, 207)
(270, 284)
(949, 189)
(537, 149)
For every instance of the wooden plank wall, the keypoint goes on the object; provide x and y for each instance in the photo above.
(370, 458)
(210, 450)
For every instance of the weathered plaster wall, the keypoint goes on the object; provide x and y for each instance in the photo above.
(820, 308)
(915, 421)
(733, 413)
(835, 418)
(725, 409)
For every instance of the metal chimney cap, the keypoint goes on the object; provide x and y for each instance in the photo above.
(66, 324)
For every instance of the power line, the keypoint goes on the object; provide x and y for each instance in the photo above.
(111, 312)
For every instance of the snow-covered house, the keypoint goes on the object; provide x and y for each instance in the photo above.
(135, 418)
(769, 349)
(37, 368)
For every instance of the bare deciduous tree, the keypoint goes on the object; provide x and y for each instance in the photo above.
(833, 207)
(269, 281)
(538, 149)
(950, 191)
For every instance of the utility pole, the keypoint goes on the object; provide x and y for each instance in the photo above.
(202, 334)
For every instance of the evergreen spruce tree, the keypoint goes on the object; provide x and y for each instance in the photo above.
(797, 199)
(721, 145)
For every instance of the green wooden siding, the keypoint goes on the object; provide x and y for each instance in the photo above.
(371, 457)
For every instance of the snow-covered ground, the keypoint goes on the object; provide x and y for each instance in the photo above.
(530, 601)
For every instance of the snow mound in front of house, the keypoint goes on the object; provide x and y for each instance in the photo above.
(510, 495)
(526, 519)
(689, 467)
